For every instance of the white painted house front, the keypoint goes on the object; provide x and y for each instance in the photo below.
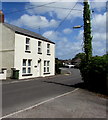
(30, 53)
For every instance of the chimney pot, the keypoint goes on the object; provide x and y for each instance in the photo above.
(1, 17)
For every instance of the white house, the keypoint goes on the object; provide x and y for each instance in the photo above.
(30, 53)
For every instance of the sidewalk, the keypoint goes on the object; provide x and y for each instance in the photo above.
(9, 80)
(78, 104)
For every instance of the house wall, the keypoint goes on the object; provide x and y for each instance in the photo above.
(37, 69)
(0, 46)
(7, 48)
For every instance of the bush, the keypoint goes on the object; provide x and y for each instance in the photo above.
(57, 69)
(94, 73)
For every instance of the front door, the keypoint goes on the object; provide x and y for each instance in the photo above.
(39, 69)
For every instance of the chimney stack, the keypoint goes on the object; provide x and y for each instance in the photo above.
(1, 17)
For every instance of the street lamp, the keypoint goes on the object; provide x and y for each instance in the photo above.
(78, 26)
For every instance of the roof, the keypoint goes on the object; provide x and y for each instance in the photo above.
(26, 32)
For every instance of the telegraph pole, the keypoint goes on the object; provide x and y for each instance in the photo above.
(87, 31)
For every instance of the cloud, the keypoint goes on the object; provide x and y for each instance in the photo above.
(67, 31)
(65, 49)
(53, 10)
(33, 21)
(99, 22)
(99, 43)
(98, 5)
(99, 34)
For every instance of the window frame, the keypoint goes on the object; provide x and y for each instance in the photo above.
(48, 49)
(39, 47)
(27, 66)
(27, 44)
(46, 67)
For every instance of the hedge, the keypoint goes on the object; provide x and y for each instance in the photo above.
(94, 73)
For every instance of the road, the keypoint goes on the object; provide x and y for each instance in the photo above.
(20, 95)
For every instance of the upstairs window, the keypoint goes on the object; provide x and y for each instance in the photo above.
(27, 46)
(48, 49)
(39, 47)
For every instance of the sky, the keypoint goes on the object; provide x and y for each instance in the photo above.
(55, 21)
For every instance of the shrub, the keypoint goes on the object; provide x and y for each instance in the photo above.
(94, 73)
(57, 69)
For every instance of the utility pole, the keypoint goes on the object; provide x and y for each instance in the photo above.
(87, 31)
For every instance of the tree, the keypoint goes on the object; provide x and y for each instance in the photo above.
(87, 31)
(79, 55)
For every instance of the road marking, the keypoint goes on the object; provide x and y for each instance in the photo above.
(6, 116)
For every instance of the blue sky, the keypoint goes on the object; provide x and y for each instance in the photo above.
(46, 20)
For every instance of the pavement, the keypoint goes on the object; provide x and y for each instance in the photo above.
(77, 104)
(52, 97)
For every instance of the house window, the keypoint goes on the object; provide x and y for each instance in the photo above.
(29, 66)
(27, 46)
(48, 49)
(24, 70)
(39, 47)
(46, 67)
(26, 67)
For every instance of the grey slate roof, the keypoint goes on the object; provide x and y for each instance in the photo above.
(26, 32)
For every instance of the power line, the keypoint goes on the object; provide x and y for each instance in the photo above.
(30, 8)
(38, 27)
(65, 18)
(62, 8)
(44, 5)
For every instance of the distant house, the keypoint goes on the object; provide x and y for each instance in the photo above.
(30, 53)
(76, 62)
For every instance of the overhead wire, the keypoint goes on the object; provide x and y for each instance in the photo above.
(62, 8)
(40, 26)
(45, 5)
(65, 18)
(30, 8)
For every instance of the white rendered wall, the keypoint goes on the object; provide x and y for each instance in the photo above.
(20, 54)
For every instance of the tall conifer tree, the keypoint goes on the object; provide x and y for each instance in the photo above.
(87, 31)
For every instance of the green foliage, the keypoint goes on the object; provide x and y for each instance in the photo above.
(58, 64)
(87, 32)
(94, 72)
(57, 69)
(79, 55)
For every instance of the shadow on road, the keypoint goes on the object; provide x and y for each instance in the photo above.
(81, 85)
(78, 85)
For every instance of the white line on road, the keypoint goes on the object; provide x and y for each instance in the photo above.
(39, 104)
